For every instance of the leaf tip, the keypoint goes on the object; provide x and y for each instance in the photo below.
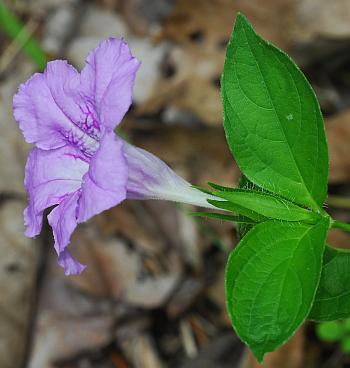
(241, 20)
(259, 355)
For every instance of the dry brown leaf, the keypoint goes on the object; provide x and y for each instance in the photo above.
(216, 293)
(110, 4)
(223, 351)
(338, 137)
(152, 292)
(60, 338)
(140, 349)
(200, 30)
(13, 149)
(69, 322)
(338, 238)
(199, 155)
(185, 296)
(18, 266)
(323, 18)
(112, 266)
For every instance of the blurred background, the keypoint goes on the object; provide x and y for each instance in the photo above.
(152, 295)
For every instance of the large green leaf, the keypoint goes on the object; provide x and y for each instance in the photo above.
(272, 119)
(271, 280)
(268, 205)
(332, 300)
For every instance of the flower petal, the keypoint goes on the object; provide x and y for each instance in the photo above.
(51, 110)
(81, 128)
(49, 176)
(108, 78)
(104, 185)
(63, 221)
(70, 264)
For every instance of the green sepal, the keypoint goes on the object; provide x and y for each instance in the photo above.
(268, 205)
(232, 207)
(220, 216)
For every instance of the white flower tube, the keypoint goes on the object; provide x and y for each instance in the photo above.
(150, 178)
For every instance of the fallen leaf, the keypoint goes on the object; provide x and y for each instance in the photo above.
(152, 293)
(199, 155)
(69, 322)
(13, 149)
(338, 137)
(192, 69)
(19, 258)
(323, 18)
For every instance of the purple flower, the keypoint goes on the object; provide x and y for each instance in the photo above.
(79, 165)
(78, 162)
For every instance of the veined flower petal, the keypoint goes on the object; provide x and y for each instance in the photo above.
(63, 221)
(38, 115)
(49, 176)
(104, 185)
(108, 79)
(52, 112)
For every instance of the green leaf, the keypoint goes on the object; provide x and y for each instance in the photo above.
(330, 331)
(271, 280)
(332, 300)
(13, 27)
(345, 345)
(220, 216)
(268, 205)
(347, 325)
(272, 119)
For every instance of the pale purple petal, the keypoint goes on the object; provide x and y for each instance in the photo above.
(51, 110)
(108, 79)
(151, 178)
(70, 264)
(37, 114)
(81, 127)
(63, 220)
(104, 185)
(63, 81)
(49, 176)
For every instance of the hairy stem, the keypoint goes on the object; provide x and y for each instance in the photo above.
(341, 225)
(338, 201)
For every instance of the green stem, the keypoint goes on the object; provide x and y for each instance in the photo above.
(15, 29)
(338, 201)
(341, 225)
